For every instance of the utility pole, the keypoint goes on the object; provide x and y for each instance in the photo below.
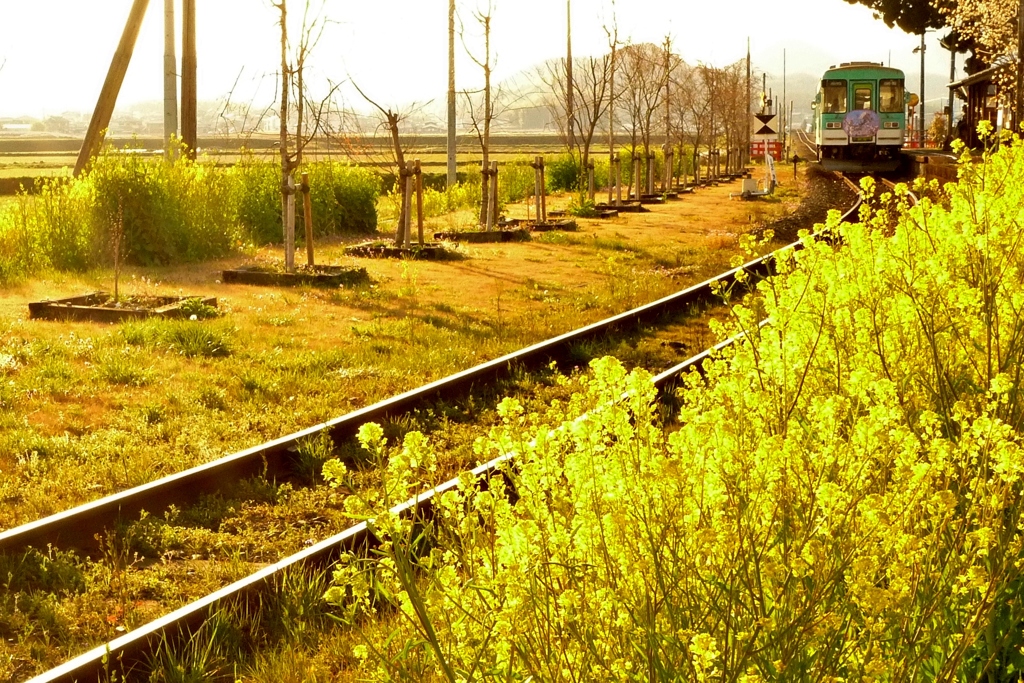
(612, 179)
(111, 86)
(668, 85)
(668, 112)
(782, 119)
(920, 134)
(569, 113)
(952, 75)
(170, 81)
(746, 150)
(452, 179)
(189, 136)
(1018, 115)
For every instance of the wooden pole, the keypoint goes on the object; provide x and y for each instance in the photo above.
(488, 175)
(407, 232)
(307, 215)
(618, 180)
(111, 86)
(494, 193)
(536, 186)
(170, 81)
(667, 175)
(452, 179)
(189, 134)
(289, 228)
(543, 193)
(418, 170)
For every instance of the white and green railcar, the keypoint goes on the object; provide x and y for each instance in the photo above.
(860, 117)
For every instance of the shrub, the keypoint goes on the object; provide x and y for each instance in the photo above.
(171, 211)
(343, 198)
(257, 198)
(582, 207)
(563, 174)
(515, 181)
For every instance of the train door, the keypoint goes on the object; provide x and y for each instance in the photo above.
(863, 95)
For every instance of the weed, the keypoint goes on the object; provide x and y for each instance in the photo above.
(140, 332)
(582, 207)
(121, 366)
(313, 452)
(256, 382)
(409, 277)
(212, 398)
(194, 308)
(197, 340)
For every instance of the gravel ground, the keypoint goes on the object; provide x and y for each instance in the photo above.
(825, 191)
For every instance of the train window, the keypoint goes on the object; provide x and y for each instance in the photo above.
(834, 96)
(890, 96)
(862, 96)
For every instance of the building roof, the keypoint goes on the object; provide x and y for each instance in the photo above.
(998, 65)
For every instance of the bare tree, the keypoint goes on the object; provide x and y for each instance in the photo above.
(592, 96)
(292, 85)
(641, 95)
(613, 46)
(390, 120)
(689, 109)
(287, 163)
(481, 111)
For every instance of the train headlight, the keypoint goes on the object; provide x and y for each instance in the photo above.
(834, 124)
(891, 124)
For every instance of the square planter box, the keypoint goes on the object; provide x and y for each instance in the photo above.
(95, 307)
(564, 224)
(479, 236)
(429, 251)
(317, 276)
(652, 199)
(626, 207)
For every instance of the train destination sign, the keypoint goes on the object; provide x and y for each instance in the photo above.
(766, 126)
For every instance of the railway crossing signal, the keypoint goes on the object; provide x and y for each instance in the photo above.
(766, 127)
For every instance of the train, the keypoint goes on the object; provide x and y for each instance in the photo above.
(860, 118)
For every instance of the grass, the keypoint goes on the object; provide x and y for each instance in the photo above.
(89, 409)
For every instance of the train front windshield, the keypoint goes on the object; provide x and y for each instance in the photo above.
(890, 96)
(834, 96)
(862, 96)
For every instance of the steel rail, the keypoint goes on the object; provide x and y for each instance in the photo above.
(891, 185)
(130, 652)
(126, 654)
(78, 527)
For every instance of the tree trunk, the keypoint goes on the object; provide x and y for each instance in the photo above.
(289, 235)
(396, 141)
(485, 143)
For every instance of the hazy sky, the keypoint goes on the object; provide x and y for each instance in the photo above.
(57, 51)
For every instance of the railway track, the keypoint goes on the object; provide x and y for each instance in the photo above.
(806, 142)
(83, 527)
